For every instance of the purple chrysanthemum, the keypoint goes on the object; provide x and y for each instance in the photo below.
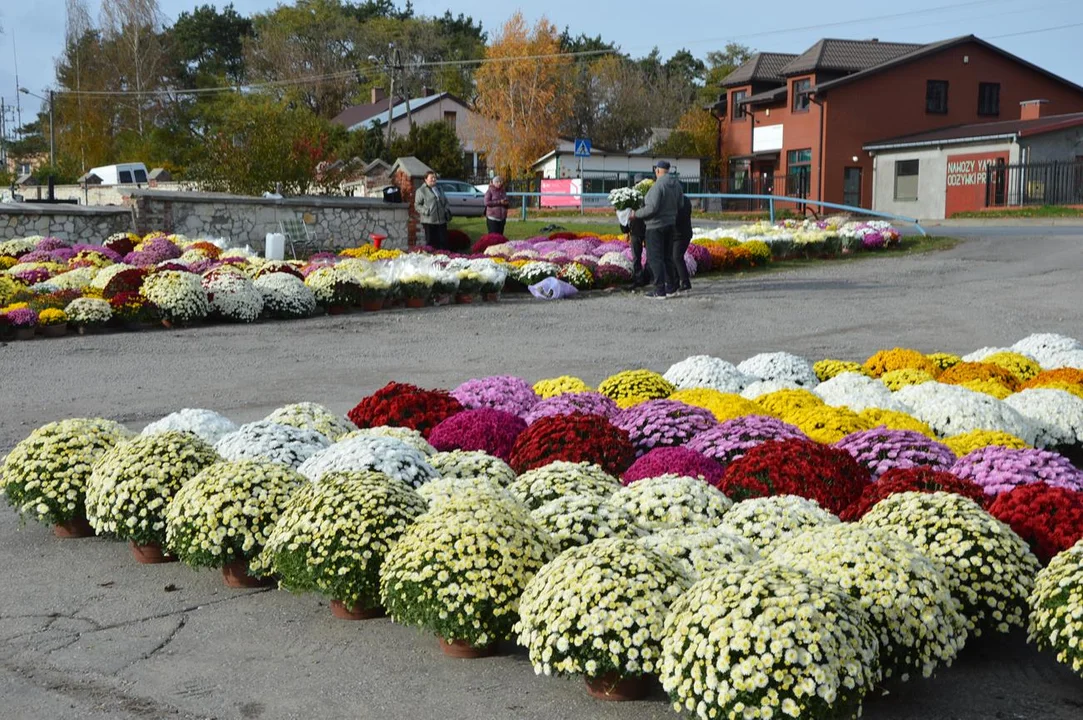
(881, 449)
(590, 403)
(50, 243)
(22, 318)
(490, 431)
(663, 423)
(999, 469)
(674, 461)
(153, 252)
(733, 438)
(499, 392)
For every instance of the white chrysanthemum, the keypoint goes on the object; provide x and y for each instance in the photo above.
(469, 464)
(206, 424)
(770, 520)
(178, 295)
(285, 295)
(411, 437)
(1056, 415)
(536, 487)
(445, 489)
(616, 259)
(981, 353)
(858, 392)
(312, 416)
(704, 371)
(233, 297)
(989, 568)
(759, 388)
(1056, 608)
(702, 552)
(1066, 359)
(574, 520)
(89, 311)
(1045, 347)
(919, 623)
(672, 501)
(264, 440)
(952, 410)
(392, 457)
(782, 366)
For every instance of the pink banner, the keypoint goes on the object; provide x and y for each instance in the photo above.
(560, 190)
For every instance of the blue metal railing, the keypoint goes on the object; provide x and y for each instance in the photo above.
(769, 199)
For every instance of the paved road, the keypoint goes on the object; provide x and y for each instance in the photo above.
(86, 633)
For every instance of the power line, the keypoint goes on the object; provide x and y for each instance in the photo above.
(1034, 32)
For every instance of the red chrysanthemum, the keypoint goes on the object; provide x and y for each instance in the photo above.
(490, 431)
(822, 473)
(674, 461)
(913, 479)
(575, 438)
(487, 241)
(125, 281)
(405, 405)
(1049, 518)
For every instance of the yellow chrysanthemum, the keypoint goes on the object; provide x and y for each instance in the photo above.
(781, 403)
(826, 424)
(898, 359)
(552, 387)
(898, 379)
(632, 387)
(943, 361)
(52, 316)
(724, 406)
(7, 261)
(967, 443)
(1022, 367)
(828, 368)
(895, 420)
(990, 387)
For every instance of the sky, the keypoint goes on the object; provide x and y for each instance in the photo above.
(1045, 32)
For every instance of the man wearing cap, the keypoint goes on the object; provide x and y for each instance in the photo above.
(659, 213)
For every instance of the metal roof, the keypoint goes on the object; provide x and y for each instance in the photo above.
(1001, 130)
(830, 55)
(761, 67)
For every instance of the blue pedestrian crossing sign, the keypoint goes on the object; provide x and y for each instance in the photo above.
(582, 147)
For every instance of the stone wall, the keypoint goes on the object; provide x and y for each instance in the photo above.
(94, 195)
(339, 222)
(74, 223)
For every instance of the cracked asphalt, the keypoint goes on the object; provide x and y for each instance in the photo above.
(85, 632)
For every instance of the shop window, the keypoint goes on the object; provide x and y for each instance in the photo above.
(906, 179)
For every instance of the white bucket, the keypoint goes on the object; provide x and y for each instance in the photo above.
(275, 246)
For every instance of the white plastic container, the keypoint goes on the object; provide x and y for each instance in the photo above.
(275, 246)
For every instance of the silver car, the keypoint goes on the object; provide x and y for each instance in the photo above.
(463, 199)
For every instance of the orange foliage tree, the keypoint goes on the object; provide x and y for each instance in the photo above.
(521, 97)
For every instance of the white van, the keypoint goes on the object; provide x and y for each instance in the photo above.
(123, 174)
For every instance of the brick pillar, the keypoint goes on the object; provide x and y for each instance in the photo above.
(406, 185)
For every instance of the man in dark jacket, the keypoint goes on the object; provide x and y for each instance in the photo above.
(680, 245)
(659, 213)
(637, 235)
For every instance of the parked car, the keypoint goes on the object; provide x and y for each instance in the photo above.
(463, 198)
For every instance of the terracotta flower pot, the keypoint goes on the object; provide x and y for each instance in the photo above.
(491, 297)
(441, 300)
(24, 333)
(612, 686)
(339, 610)
(337, 310)
(77, 527)
(53, 331)
(236, 576)
(372, 305)
(150, 554)
(463, 649)
(415, 302)
(464, 299)
(167, 324)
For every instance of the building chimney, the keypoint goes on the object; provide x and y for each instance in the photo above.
(427, 91)
(378, 94)
(1032, 109)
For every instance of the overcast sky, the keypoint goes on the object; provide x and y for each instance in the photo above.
(36, 27)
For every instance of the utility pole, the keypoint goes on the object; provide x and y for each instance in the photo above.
(52, 132)
(3, 136)
(390, 108)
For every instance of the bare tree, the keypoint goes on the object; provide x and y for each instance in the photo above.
(131, 28)
(77, 24)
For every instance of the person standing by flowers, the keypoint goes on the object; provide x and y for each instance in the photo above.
(496, 206)
(682, 241)
(637, 235)
(431, 205)
(659, 213)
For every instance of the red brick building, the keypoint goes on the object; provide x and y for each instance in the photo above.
(802, 120)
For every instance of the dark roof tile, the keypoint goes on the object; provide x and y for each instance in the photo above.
(761, 67)
(846, 56)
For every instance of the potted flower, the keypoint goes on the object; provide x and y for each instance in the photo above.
(88, 314)
(45, 475)
(490, 291)
(179, 296)
(373, 292)
(1056, 608)
(270, 441)
(130, 488)
(24, 321)
(52, 323)
(470, 283)
(615, 591)
(131, 310)
(445, 286)
(243, 497)
(332, 538)
(416, 288)
(459, 570)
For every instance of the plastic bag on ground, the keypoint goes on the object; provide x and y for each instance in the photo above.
(552, 289)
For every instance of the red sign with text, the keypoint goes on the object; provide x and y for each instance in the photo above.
(967, 175)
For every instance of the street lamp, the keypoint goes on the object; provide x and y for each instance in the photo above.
(52, 126)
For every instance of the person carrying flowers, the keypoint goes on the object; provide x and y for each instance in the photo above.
(659, 213)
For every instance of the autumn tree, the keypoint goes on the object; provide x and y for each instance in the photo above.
(130, 29)
(721, 63)
(696, 135)
(523, 92)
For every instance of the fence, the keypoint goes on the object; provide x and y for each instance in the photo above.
(1052, 183)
